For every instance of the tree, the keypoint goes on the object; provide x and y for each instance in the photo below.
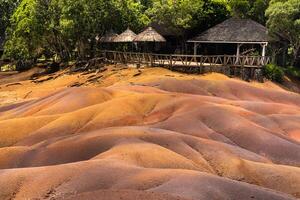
(253, 9)
(258, 9)
(188, 15)
(284, 20)
(22, 31)
(239, 8)
(7, 8)
(132, 14)
(58, 27)
(83, 20)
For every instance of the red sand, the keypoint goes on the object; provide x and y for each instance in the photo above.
(160, 135)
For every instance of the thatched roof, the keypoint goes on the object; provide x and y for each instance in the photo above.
(108, 37)
(149, 35)
(126, 36)
(234, 30)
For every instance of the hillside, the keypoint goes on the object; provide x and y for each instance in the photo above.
(147, 134)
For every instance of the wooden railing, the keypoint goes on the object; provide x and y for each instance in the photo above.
(185, 60)
(246, 67)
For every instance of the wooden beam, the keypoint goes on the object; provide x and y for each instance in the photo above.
(227, 42)
(195, 48)
(238, 53)
(264, 45)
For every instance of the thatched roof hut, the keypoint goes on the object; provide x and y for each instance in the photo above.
(149, 35)
(108, 37)
(126, 36)
(234, 30)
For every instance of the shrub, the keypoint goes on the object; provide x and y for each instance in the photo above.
(24, 65)
(293, 71)
(274, 73)
(8, 67)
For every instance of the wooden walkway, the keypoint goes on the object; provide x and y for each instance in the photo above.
(246, 67)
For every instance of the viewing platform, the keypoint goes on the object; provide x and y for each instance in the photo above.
(246, 67)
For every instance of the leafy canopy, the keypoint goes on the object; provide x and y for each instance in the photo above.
(7, 7)
(254, 9)
(284, 20)
(188, 14)
(58, 27)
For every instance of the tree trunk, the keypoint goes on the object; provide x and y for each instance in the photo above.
(92, 47)
(81, 49)
(296, 60)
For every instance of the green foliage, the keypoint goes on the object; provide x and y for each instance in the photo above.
(17, 48)
(274, 72)
(7, 8)
(284, 20)
(257, 11)
(146, 3)
(292, 71)
(131, 14)
(22, 35)
(240, 7)
(176, 14)
(8, 67)
(188, 14)
(23, 65)
(58, 27)
(254, 9)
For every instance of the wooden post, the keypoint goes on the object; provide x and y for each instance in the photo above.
(264, 45)
(151, 60)
(238, 53)
(263, 54)
(171, 62)
(195, 48)
(115, 57)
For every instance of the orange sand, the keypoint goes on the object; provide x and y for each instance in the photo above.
(157, 135)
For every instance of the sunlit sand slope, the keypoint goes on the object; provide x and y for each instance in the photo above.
(153, 137)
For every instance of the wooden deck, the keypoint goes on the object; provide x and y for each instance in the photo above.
(246, 67)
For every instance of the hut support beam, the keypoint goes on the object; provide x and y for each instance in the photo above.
(264, 45)
(196, 45)
(238, 52)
